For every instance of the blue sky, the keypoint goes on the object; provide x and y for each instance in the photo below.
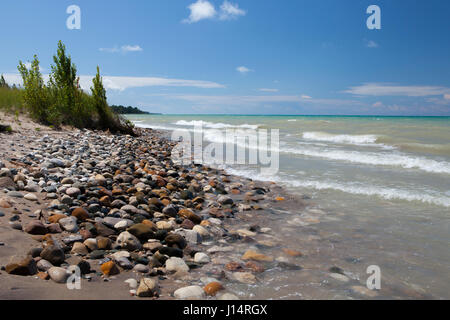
(245, 56)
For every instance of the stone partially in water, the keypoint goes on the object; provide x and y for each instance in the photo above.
(190, 292)
(176, 264)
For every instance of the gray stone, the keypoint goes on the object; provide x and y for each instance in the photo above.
(190, 292)
(57, 274)
(176, 264)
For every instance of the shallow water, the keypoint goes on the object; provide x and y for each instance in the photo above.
(382, 185)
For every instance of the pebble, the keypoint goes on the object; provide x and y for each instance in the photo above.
(147, 288)
(244, 277)
(31, 197)
(201, 257)
(57, 274)
(176, 264)
(190, 292)
(228, 296)
(132, 283)
(212, 288)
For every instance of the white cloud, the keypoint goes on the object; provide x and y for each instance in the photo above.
(268, 90)
(371, 44)
(200, 10)
(380, 89)
(304, 96)
(243, 69)
(447, 96)
(122, 49)
(123, 83)
(230, 11)
(254, 100)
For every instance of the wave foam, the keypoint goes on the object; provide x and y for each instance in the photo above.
(351, 188)
(340, 138)
(379, 159)
(214, 125)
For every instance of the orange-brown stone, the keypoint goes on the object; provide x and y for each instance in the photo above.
(212, 288)
(56, 217)
(292, 253)
(253, 255)
(80, 213)
(109, 268)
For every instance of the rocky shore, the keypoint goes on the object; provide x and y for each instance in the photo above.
(134, 223)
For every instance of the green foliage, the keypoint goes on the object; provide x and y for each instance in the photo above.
(35, 93)
(127, 110)
(62, 101)
(10, 99)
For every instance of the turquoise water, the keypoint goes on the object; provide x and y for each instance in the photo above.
(388, 176)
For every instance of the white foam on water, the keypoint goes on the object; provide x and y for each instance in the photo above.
(214, 125)
(340, 138)
(377, 159)
(350, 187)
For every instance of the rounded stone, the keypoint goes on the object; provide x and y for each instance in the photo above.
(57, 274)
(201, 257)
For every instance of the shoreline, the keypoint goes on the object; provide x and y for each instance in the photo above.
(231, 221)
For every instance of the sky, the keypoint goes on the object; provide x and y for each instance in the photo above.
(244, 56)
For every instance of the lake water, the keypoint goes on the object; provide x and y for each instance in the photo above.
(380, 185)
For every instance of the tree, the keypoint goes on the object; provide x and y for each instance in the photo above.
(100, 103)
(35, 92)
(63, 82)
(3, 83)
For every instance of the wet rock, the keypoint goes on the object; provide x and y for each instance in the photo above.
(174, 239)
(171, 252)
(191, 236)
(176, 264)
(201, 257)
(228, 296)
(212, 288)
(253, 255)
(254, 267)
(190, 292)
(188, 214)
(244, 277)
(224, 200)
(187, 224)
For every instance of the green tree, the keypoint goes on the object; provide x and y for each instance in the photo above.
(3, 83)
(63, 84)
(100, 103)
(35, 93)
